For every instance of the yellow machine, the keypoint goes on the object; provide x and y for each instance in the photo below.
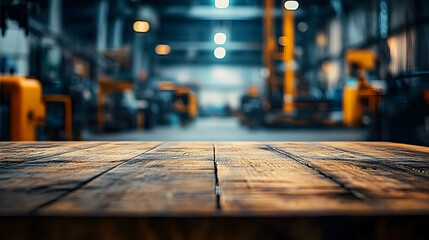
(27, 109)
(186, 102)
(361, 96)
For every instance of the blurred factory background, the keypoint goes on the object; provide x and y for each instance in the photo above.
(215, 70)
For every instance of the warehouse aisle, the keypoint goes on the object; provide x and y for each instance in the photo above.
(229, 129)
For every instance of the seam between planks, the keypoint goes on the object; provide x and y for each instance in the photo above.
(53, 155)
(421, 173)
(353, 192)
(217, 186)
(80, 185)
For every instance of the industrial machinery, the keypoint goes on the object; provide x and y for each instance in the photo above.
(22, 108)
(66, 101)
(185, 104)
(404, 112)
(165, 99)
(66, 71)
(70, 94)
(359, 97)
(285, 88)
(117, 107)
(148, 103)
(284, 105)
(252, 109)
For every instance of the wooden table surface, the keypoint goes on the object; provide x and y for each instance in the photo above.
(213, 179)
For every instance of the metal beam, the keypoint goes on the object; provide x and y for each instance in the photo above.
(209, 46)
(230, 13)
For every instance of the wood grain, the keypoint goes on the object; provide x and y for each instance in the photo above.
(14, 153)
(173, 178)
(253, 178)
(180, 178)
(368, 170)
(27, 186)
(413, 158)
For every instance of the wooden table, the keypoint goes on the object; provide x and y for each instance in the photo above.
(204, 190)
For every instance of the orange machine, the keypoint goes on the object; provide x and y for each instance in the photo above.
(186, 102)
(362, 95)
(27, 109)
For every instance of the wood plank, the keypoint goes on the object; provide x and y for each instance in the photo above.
(266, 191)
(173, 178)
(12, 153)
(256, 180)
(26, 187)
(398, 146)
(388, 187)
(414, 158)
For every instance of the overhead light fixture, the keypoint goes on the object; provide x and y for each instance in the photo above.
(291, 5)
(219, 52)
(221, 3)
(220, 38)
(141, 26)
(162, 49)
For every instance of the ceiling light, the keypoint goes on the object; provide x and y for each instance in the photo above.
(220, 38)
(221, 3)
(162, 49)
(291, 5)
(141, 26)
(220, 52)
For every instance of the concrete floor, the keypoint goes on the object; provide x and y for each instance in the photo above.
(229, 129)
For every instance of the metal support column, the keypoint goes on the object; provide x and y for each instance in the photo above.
(55, 10)
(269, 48)
(55, 25)
(117, 33)
(288, 59)
(137, 55)
(102, 23)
